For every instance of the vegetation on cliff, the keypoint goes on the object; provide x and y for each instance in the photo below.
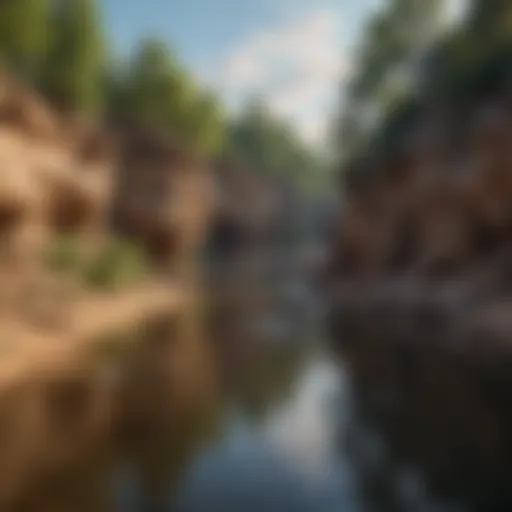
(427, 181)
(62, 49)
(271, 145)
(410, 58)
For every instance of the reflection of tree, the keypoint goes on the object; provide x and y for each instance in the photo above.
(269, 379)
(374, 472)
(162, 456)
(444, 426)
(261, 372)
(81, 489)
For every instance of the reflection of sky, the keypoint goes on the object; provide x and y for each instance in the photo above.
(287, 465)
(304, 430)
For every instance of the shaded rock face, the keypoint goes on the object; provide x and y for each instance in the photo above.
(227, 238)
(246, 207)
(54, 176)
(63, 174)
(70, 208)
(420, 302)
(434, 207)
(161, 196)
(24, 109)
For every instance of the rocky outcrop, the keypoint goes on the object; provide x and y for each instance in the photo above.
(246, 206)
(162, 196)
(60, 175)
(435, 207)
(52, 178)
(63, 174)
(421, 293)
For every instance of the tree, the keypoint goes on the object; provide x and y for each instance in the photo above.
(393, 42)
(24, 35)
(74, 68)
(157, 87)
(57, 45)
(394, 38)
(270, 146)
(490, 20)
(156, 92)
(204, 123)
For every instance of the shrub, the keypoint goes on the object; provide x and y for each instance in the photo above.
(121, 263)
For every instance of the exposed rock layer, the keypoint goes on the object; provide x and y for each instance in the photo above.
(421, 300)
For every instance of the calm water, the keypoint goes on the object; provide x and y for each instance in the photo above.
(284, 458)
(251, 415)
(276, 436)
(284, 435)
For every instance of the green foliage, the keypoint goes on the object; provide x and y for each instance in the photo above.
(271, 146)
(204, 124)
(156, 91)
(392, 41)
(120, 264)
(64, 254)
(74, 68)
(392, 38)
(24, 35)
(490, 21)
(469, 62)
(58, 46)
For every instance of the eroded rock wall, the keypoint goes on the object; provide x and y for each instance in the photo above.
(421, 307)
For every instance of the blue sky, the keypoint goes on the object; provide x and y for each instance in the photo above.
(293, 53)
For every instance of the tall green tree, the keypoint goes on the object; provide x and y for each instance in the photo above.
(24, 35)
(57, 45)
(393, 42)
(394, 37)
(205, 123)
(74, 71)
(157, 87)
(156, 91)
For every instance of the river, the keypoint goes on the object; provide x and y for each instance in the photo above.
(286, 436)
(281, 459)
(255, 414)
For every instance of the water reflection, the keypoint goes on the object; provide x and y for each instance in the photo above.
(209, 414)
(191, 414)
(285, 462)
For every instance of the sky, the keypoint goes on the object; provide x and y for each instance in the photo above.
(293, 54)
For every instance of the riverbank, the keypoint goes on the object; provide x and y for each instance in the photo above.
(92, 319)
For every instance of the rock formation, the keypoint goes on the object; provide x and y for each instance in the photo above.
(61, 177)
(162, 195)
(246, 206)
(421, 289)
(46, 184)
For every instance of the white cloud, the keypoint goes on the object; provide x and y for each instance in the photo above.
(295, 67)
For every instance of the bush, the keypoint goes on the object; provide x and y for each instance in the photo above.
(64, 254)
(120, 264)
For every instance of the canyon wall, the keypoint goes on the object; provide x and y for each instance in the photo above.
(420, 292)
